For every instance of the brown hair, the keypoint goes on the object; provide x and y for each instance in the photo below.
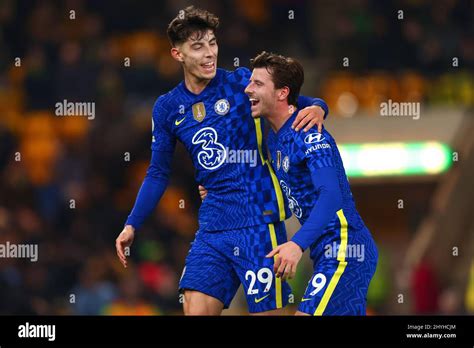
(285, 72)
(189, 21)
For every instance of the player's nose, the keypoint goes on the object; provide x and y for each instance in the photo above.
(209, 52)
(247, 90)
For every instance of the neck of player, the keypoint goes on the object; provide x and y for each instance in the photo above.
(194, 84)
(279, 115)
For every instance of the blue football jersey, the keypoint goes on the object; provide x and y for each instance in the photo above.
(225, 144)
(294, 155)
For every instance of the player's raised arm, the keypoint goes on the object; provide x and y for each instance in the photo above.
(154, 184)
(313, 111)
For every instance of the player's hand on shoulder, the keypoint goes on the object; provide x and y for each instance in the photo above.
(289, 254)
(308, 117)
(123, 243)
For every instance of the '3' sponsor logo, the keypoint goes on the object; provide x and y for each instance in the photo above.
(213, 153)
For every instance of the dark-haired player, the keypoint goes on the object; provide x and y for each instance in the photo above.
(312, 176)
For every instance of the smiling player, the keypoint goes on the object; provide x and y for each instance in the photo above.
(310, 171)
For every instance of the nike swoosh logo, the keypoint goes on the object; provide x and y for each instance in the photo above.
(257, 300)
(177, 123)
(305, 299)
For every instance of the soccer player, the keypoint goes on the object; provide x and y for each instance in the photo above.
(242, 218)
(311, 173)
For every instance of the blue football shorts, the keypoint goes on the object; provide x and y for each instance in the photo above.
(218, 262)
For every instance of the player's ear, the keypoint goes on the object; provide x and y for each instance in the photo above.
(283, 93)
(176, 54)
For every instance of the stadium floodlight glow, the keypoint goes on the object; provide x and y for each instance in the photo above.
(394, 159)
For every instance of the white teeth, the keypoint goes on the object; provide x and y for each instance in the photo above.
(253, 101)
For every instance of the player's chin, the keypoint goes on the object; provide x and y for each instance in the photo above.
(255, 114)
(256, 111)
(208, 74)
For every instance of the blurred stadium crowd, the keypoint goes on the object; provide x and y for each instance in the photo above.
(68, 183)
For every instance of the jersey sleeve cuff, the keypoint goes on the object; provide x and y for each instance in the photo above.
(133, 221)
(302, 244)
(322, 104)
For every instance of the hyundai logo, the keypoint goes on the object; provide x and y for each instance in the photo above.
(313, 138)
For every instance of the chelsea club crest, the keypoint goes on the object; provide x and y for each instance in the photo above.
(286, 164)
(222, 107)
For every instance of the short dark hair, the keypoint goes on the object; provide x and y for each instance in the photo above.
(285, 72)
(189, 21)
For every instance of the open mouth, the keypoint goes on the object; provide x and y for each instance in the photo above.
(208, 66)
(254, 101)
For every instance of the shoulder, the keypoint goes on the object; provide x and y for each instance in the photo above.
(312, 142)
(167, 100)
(239, 75)
(161, 108)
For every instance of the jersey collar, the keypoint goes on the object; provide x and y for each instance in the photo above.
(287, 125)
(212, 83)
